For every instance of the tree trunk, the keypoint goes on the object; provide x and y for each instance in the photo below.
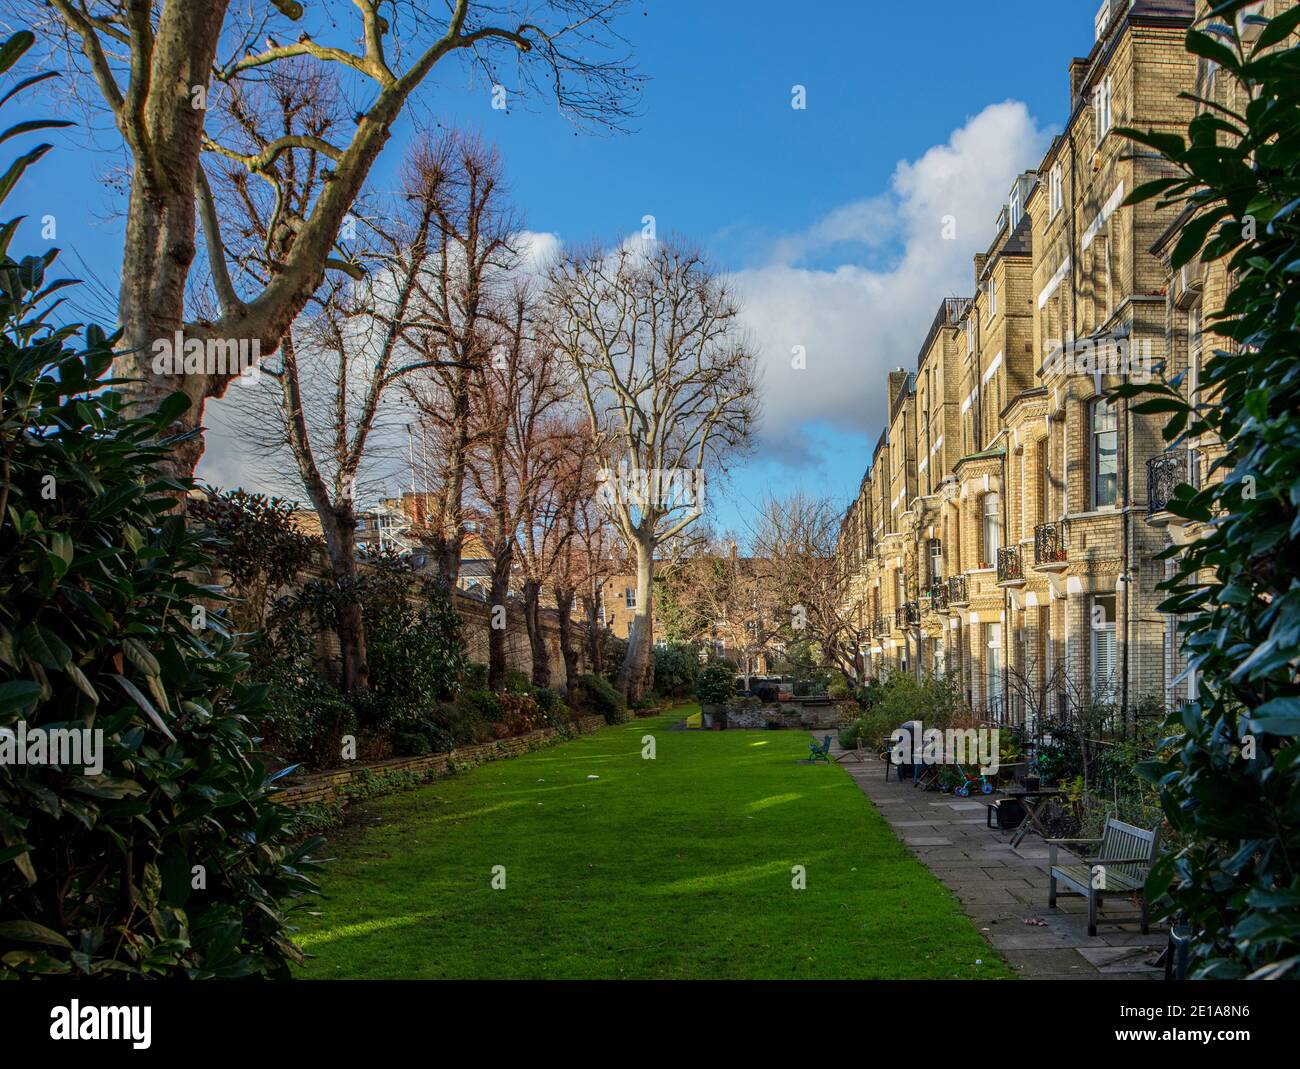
(631, 678)
(563, 607)
(340, 526)
(595, 641)
(536, 638)
(498, 596)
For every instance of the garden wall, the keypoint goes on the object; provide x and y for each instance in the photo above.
(334, 786)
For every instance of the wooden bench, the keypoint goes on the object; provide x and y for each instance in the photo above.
(1120, 866)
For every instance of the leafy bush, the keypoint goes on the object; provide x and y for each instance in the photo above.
(935, 699)
(481, 703)
(548, 700)
(873, 728)
(615, 653)
(260, 550)
(716, 683)
(595, 696)
(474, 676)
(518, 682)
(1236, 584)
(677, 664)
(98, 634)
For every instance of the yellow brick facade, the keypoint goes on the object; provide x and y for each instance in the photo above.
(1008, 526)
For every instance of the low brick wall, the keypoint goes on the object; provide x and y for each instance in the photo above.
(328, 787)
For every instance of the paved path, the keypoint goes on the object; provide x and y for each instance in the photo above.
(1000, 888)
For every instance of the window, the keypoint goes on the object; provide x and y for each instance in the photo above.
(1055, 192)
(936, 560)
(992, 529)
(1013, 210)
(993, 298)
(629, 597)
(1101, 101)
(1105, 454)
(970, 334)
(993, 669)
(1103, 648)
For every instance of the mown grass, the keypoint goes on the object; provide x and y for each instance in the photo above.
(676, 867)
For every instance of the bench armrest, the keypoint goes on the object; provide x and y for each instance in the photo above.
(1063, 841)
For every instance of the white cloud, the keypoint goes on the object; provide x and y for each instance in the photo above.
(855, 323)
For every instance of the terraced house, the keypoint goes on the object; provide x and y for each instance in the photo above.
(1010, 524)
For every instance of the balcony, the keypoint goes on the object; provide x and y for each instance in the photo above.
(879, 628)
(908, 615)
(958, 591)
(939, 596)
(1164, 473)
(1050, 544)
(1010, 568)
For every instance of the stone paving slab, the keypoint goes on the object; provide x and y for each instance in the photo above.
(1001, 888)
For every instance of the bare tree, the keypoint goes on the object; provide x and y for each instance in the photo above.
(723, 596)
(156, 65)
(339, 365)
(460, 292)
(795, 538)
(515, 393)
(668, 383)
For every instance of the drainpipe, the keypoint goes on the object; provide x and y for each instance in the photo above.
(1126, 533)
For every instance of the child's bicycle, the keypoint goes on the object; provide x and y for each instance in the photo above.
(963, 789)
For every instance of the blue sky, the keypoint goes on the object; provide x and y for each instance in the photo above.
(828, 216)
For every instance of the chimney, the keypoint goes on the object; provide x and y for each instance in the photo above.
(897, 378)
(1078, 71)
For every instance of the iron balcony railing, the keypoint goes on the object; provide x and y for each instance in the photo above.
(958, 593)
(1049, 543)
(907, 615)
(939, 596)
(1009, 566)
(1164, 473)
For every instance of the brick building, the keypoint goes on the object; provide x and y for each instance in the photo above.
(1009, 526)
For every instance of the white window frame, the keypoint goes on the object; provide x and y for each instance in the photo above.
(629, 597)
(1055, 191)
(1103, 689)
(990, 523)
(1094, 448)
(1101, 109)
(1014, 211)
(993, 668)
(993, 299)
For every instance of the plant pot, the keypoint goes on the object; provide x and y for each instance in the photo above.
(1032, 783)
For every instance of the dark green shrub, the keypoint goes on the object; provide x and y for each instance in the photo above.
(548, 700)
(99, 632)
(482, 704)
(1230, 785)
(518, 682)
(411, 744)
(474, 676)
(615, 653)
(677, 664)
(596, 696)
(716, 683)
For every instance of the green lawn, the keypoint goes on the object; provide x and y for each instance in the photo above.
(672, 868)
